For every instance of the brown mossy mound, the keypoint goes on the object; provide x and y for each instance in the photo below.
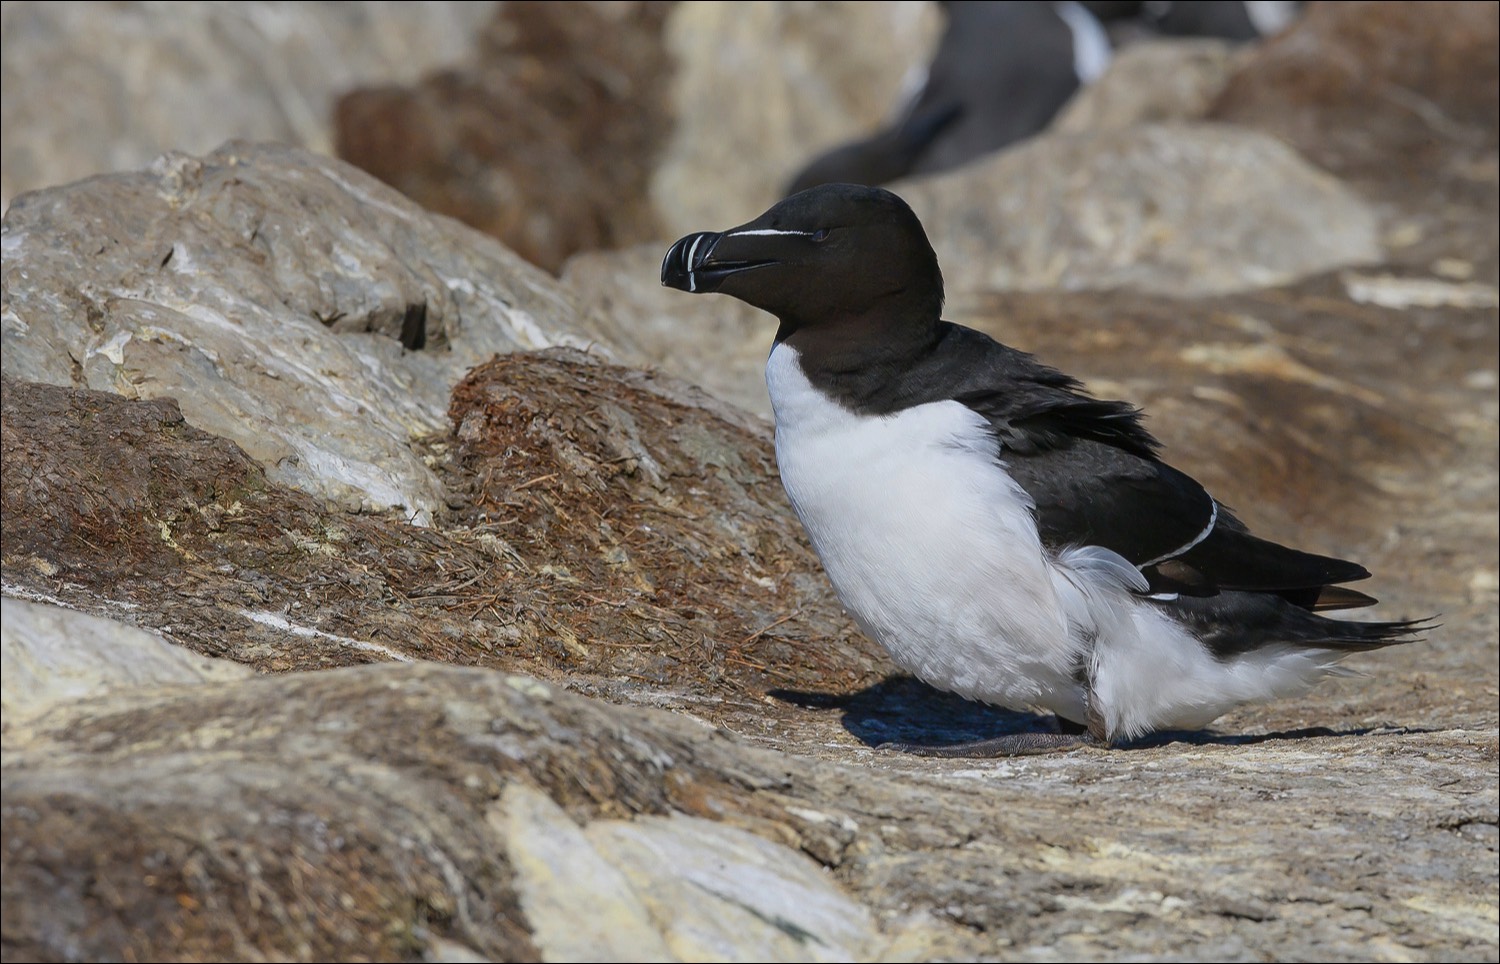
(603, 528)
(649, 530)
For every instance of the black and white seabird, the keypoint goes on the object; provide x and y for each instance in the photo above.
(1001, 72)
(1002, 533)
(1237, 20)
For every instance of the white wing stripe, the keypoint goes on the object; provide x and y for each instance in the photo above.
(1213, 520)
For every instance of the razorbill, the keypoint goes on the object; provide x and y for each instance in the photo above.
(1000, 73)
(1002, 533)
(1228, 19)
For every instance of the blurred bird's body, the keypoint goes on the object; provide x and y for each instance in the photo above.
(1003, 70)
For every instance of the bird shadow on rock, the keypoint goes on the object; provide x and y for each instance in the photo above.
(1213, 738)
(903, 709)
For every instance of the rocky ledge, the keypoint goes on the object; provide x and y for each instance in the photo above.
(371, 594)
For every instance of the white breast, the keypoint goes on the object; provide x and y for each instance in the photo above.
(934, 550)
(931, 546)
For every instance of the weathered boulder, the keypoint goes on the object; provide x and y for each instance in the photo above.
(1400, 100)
(545, 138)
(451, 804)
(761, 89)
(405, 813)
(93, 87)
(289, 302)
(1368, 88)
(1179, 209)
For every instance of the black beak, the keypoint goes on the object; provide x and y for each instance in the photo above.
(698, 264)
(685, 258)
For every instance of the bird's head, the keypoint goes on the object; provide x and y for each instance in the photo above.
(830, 255)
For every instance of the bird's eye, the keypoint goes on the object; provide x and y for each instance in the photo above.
(820, 235)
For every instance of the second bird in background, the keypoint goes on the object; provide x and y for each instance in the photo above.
(1003, 70)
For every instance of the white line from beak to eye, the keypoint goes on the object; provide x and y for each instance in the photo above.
(768, 231)
(692, 281)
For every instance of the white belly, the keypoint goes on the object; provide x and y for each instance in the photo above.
(931, 547)
(934, 550)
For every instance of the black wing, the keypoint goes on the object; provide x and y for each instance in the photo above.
(1092, 470)
(885, 156)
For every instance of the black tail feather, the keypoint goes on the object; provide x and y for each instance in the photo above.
(1235, 623)
(1357, 637)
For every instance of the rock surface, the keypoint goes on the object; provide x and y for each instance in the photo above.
(585, 499)
(52, 655)
(761, 89)
(1375, 89)
(658, 737)
(1400, 101)
(286, 818)
(546, 139)
(1177, 209)
(1267, 839)
(429, 796)
(95, 87)
(1152, 82)
(291, 303)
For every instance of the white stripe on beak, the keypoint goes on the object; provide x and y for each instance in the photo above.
(692, 280)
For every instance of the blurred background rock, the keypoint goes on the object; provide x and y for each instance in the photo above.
(90, 88)
(595, 126)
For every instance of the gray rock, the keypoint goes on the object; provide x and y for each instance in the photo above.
(1177, 209)
(723, 894)
(52, 655)
(1390, 291)
(558, 871)
(622, 525)
(718, 343)
(396, 812)
(405, 811)
(619, 535)
(763, 88)
(93, 87)
(671, 888)
(271, 292)
(1151, 82)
